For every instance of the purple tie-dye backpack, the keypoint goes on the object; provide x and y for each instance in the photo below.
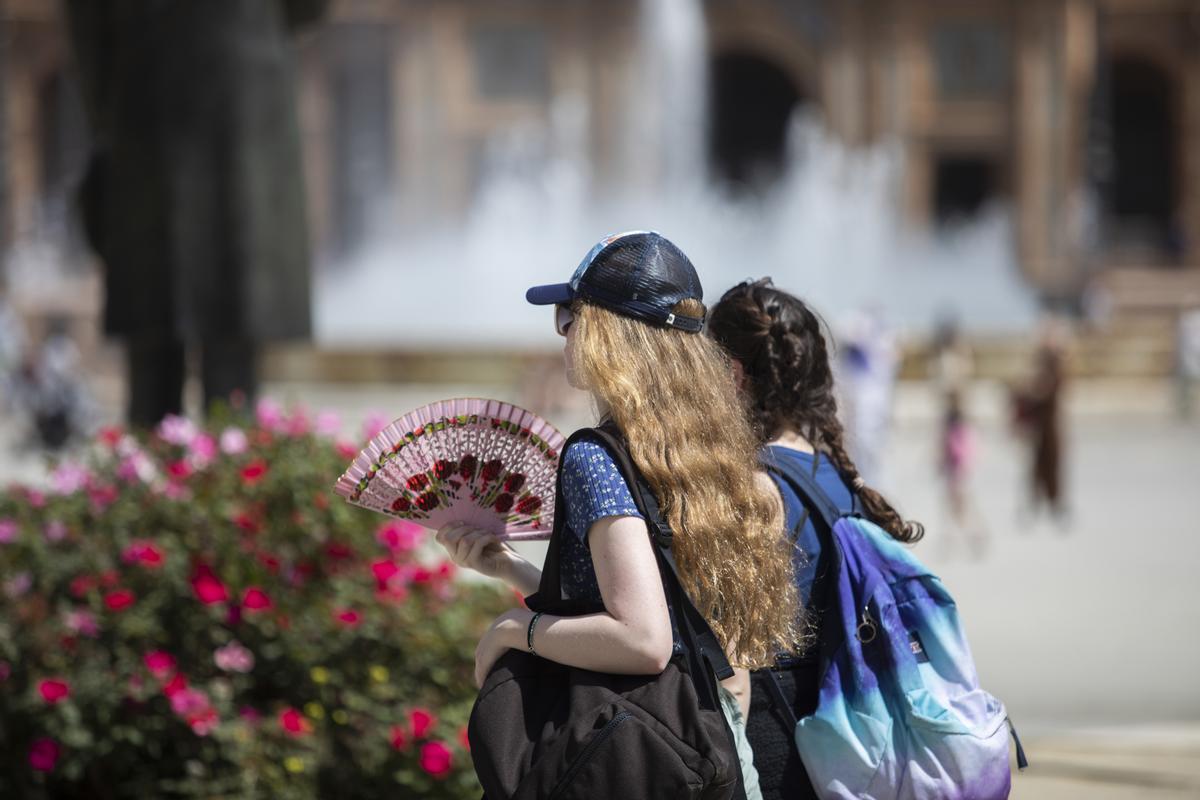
(900, 712)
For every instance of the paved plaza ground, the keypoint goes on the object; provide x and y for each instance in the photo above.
(1085, 629)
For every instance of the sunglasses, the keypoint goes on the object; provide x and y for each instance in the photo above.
(563, 319)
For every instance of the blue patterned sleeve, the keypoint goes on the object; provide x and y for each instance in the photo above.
(593, 487)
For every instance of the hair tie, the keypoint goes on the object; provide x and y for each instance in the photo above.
(858, 483)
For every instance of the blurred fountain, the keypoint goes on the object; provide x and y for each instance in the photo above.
(830, 230)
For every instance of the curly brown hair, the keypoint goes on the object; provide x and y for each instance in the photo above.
(672, 395)
(780, 344)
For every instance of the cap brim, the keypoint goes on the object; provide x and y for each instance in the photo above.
(550, 294)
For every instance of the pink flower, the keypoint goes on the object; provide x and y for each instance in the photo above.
(250, 714)
(69, 478)
(435, 759)
(255, 599)
(53, 691)
(253, 472)
(270, 415)
(346, 450)
(400, 536)
(137, 467)
(233, 658)
(420, 721)
(294, 723)
(233, 441)
(327, 424)
(102, 497)
(55, 531)
(8, 530)
(298, 423)
(18, 585)
(160, 663)
(176, 491)
(202, 450)
(347, 617)
(119, 600)
(176, 430)
(373, 424)
(204, 721)
(385, 572)
(82, 622)
(5, 671)
(43, 754)
(109, 435)
(142, 553)
(188, 701)
(208, 587)
(35, 498)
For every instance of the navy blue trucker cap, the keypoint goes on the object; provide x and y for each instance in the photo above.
(639, 274)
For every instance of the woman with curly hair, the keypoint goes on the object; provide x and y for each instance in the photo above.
(631, 316)
(781, 363)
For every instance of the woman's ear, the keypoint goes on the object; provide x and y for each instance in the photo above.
(739, 374)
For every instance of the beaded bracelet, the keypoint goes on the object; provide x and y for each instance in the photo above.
(529, 636)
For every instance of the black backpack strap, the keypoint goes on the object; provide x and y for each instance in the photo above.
(690, 623)
(808, 489)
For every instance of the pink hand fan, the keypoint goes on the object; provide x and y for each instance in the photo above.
(482, 462)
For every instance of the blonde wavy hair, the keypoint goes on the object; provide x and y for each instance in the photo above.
(672, 395)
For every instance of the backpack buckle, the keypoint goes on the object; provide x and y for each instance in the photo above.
(662, 534)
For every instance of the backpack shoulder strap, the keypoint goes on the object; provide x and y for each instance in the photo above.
(693, 628)
(808, 489)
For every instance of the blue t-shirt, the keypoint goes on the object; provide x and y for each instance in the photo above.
(808, 546)
(593, 488)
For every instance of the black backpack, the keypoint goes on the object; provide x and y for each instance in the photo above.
(540, 729)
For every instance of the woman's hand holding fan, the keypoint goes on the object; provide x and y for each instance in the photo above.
(479, 462)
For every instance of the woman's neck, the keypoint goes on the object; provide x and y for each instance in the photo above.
(792, 440)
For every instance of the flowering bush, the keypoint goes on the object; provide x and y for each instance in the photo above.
(192, 613)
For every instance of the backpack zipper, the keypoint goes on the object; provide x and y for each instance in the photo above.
(583, 757)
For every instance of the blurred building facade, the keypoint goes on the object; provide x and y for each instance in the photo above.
(1083, 116)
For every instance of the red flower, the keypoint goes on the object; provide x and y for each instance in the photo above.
(253, 472)
(255, 599)
(384, 571)
(179, 470)
(435, 759)
(467, 466)
(529, 504)
(110, 578)
(109, 435)
(82, 584)
(401, 504)
(345, 450)
(420, 721)
(208, 586)
(294, 723)
(421, 575)
(103, 496)
(177, 684)
(52, 691)
(204, 721)
(160, 663)
(464, 739)
(491, 470)
(339, 551)
(503, 503)
(443, 468)
(246, 522)
(143, 553)
(43, 754)
(270, 561)
(418, 482)
(398, 737)
(348, 617)
(321, 501)
(514, 482)
(119, 600)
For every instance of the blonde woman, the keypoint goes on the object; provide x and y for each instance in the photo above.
(631, 316)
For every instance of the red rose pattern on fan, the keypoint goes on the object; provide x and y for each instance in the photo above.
(490, 484)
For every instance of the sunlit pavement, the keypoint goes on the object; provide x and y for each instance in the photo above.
(1085, 629)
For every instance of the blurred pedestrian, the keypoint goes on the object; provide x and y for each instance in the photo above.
(951, 368)
(193, 196)
(13, 345)
(781, 360)
(868, 360)
(1187, 360)
(50, 391)
(1037, 413)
